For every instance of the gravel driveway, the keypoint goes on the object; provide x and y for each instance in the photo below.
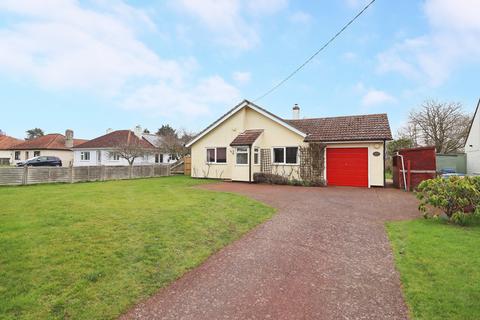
(324, 255)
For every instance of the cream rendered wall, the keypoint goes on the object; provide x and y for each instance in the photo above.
(65, 155)
(246, 118)
(375, 163)
(472, 146)
(7, 154)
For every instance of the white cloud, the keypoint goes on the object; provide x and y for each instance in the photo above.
(229, 20)
(375, 97)
(300, 17)
(242, 77)
(189, 101)
(452, 41)
(223, 18)
(62, 44)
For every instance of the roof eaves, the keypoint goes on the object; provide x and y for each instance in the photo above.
(471, 123)
(239, 106)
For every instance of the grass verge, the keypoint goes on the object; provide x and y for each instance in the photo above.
(439, 268)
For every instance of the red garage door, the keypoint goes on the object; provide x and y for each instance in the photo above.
(347, 167)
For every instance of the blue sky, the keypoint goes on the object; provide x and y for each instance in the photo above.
(93, 65)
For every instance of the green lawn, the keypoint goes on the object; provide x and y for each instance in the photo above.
(440, 268)
(91, 250)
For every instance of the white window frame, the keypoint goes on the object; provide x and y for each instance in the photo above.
(256, 151)
(83, 155)
(17, 155)
(284, 163)
(247, 151)
(215, 161)
(36, 153)
(115, 155)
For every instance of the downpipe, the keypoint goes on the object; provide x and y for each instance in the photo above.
(403, 171)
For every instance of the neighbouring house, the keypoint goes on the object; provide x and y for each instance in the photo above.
(161, 156)
(249, 139)
(472, 144)
(6, 142)
(54, 144)
(101, 150)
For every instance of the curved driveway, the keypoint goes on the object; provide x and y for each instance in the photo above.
(324, 255)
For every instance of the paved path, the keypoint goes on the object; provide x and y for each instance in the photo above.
(324, 255)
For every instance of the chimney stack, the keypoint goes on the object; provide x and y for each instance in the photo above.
(296, 111)
(138, 131)
(69, 138)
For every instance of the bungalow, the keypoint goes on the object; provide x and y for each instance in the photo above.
(101, 150)
(250, 139)
(472, 144)
(6, 142)
(53, 144)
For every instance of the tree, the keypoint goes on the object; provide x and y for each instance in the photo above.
(34, 133)
(146, 131)
(166, 130)
(400, 143)
(440, 124)
(130, 150)
(175, 144)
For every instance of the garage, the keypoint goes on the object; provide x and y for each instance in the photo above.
(347, 167)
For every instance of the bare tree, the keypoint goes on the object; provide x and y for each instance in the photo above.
(130, 150)
(440, 124)
(175, 143)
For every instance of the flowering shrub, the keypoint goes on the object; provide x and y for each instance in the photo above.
(457, 197)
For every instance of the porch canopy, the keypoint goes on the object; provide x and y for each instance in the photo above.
(246, 138)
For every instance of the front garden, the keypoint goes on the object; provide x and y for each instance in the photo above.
(91, 250)
(438, 257)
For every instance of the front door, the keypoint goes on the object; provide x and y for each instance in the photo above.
(99, 157)
(241, 164)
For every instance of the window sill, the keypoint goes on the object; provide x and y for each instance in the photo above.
(285, 164)
(216, 163)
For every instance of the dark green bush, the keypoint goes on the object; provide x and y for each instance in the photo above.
(270, 178)
(457, 197)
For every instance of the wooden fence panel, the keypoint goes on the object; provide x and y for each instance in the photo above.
(187, 166)
(11, 176)
(35, 175)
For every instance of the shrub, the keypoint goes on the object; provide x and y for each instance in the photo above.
(261, 177)
(270, 178)
(457, 197)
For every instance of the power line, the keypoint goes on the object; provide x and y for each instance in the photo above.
(316, 53)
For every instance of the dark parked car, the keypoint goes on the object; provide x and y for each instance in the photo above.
(41, 161)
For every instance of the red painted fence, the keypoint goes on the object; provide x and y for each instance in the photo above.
(419, 165)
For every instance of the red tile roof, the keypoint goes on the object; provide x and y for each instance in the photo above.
(115, 139)
(6, 142)
(246, 138)
(53, 141)
(346, 128)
